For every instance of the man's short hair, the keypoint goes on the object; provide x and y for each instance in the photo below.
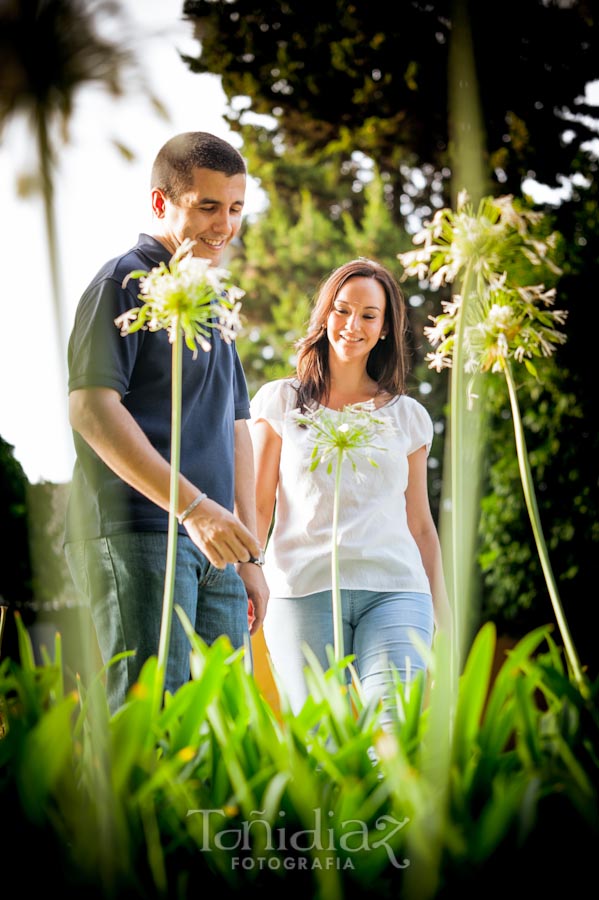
(173, 167)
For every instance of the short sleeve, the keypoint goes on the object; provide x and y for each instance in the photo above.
(99, 356)
(421, 428)
(242, 399)
(271, 403)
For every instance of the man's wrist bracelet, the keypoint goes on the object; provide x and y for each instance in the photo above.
(187, 512)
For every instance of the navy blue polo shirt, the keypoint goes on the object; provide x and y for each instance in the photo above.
(138, 366)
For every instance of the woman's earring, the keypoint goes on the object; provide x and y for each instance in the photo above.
(383, 337)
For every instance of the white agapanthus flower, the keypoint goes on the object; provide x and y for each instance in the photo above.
(507, 317)
(190, 294)
(355, 431)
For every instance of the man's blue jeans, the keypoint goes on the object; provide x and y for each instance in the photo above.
(122, 577)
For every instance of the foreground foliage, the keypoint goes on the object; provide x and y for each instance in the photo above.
(217, 792)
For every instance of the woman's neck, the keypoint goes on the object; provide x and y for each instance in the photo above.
(349, 384)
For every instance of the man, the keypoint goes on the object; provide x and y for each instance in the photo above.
(120, 407)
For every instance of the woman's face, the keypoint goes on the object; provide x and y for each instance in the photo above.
(356, 321)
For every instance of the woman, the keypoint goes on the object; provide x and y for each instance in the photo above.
(390, 568)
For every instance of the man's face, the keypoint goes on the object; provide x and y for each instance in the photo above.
(209, 213)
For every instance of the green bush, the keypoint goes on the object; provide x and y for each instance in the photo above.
(217, 792)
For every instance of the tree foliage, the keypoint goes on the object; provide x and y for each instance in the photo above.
(16, 572)
(509, 564)
(372, 76)
(344, 85)
(15, 576)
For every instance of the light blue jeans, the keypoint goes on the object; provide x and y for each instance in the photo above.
(377, 629)
(122, 578)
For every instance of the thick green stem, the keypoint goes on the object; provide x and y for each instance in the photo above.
(535, 520)
(337, 612)
(457, 449)
(173, 524)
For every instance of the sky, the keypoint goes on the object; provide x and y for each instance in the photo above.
(102, 204)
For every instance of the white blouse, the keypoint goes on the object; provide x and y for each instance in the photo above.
(376, 549)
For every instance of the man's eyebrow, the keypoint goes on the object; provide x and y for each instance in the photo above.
(218, 202)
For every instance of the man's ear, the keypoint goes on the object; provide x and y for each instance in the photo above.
(158, 203)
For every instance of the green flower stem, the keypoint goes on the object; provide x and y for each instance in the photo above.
(458, 408)
(171, 553)
(535, 520)
(337, 611)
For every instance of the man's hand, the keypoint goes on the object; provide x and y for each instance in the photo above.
(258, 594)
(220, 535)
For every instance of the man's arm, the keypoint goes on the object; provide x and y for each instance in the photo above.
(245, 508)
(98, 415)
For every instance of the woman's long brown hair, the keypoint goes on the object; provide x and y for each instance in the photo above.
(386, 364)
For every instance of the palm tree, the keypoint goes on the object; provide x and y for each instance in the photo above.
(49, 49)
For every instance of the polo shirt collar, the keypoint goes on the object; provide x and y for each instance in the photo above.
(153, 249)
